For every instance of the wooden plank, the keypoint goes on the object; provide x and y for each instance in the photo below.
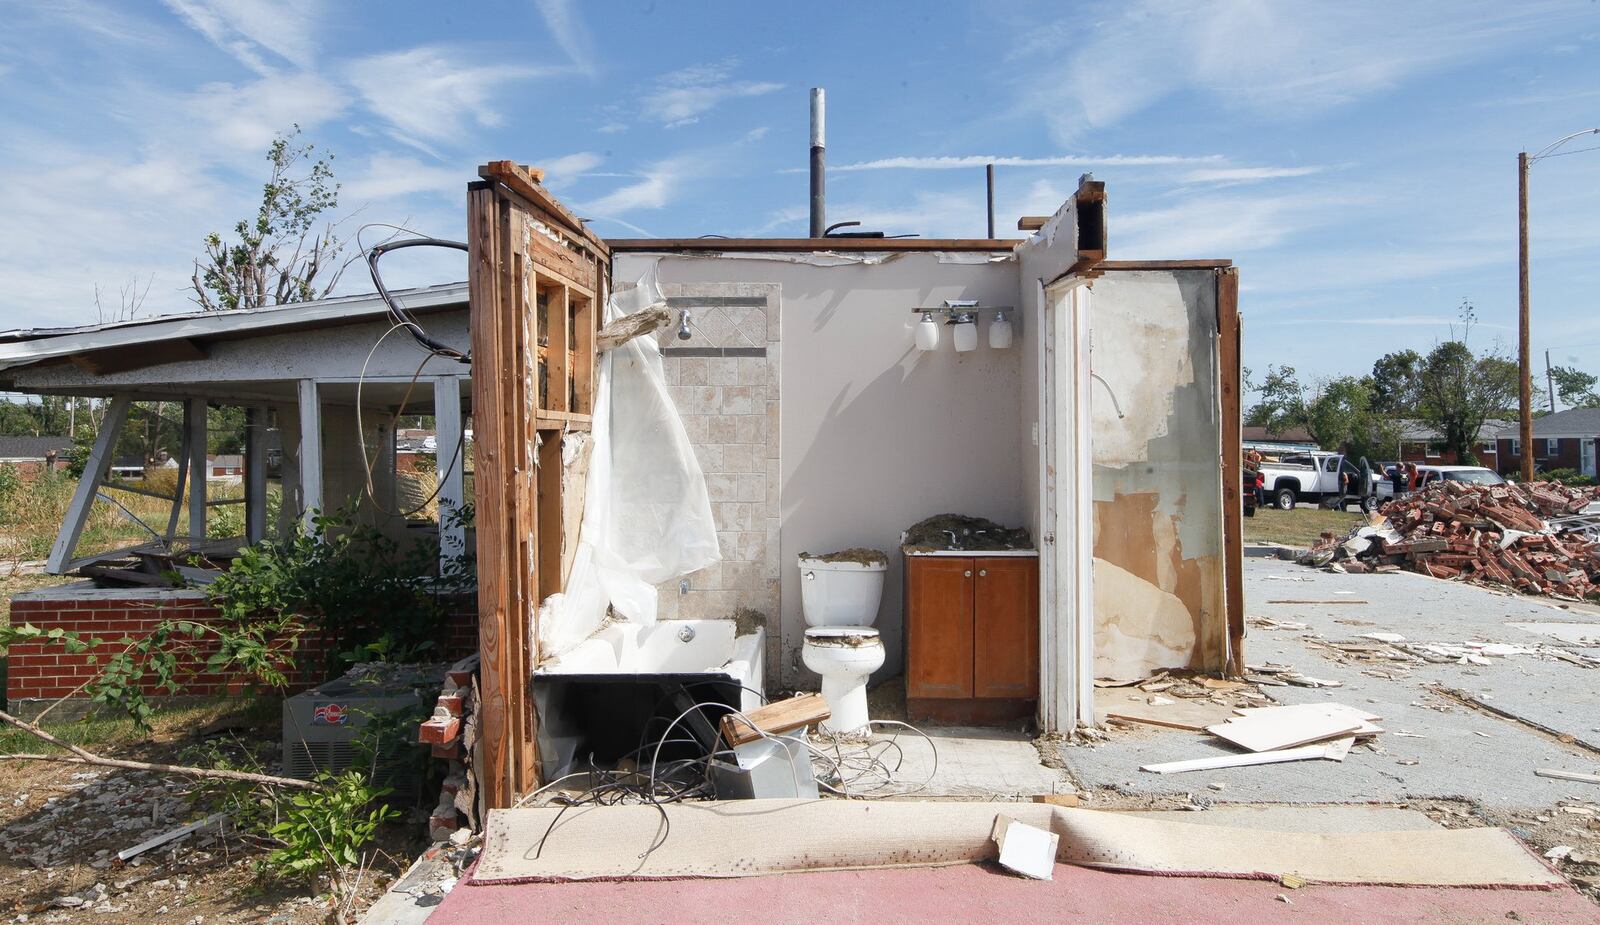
(797, 712)
(1203, 264)
(1134, 706)
(808, 245)
(495, 771)
(520, 180)
(94, 470)
(550, 509)
(517, 447)
(558, 334)
(585, 331)
(1231, 386)
(1577, 776)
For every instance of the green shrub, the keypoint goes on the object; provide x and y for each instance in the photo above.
(1564, 476)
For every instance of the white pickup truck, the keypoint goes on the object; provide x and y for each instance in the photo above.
(1319, 477)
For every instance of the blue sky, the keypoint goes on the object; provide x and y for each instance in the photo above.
(1356, 160)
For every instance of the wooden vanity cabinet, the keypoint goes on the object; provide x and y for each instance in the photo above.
(972, 637)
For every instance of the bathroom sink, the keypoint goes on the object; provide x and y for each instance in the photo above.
(973, 553)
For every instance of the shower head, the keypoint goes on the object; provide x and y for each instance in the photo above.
(683, 325)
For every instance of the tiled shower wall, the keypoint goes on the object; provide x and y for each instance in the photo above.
(724, 379)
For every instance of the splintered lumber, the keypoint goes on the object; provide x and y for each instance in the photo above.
(797, 712)
(1265, 732)
(1578, 776)
(628, 327)
(1136, 706)
(1332, 751)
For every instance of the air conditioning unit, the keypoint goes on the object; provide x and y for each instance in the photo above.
(321, 726)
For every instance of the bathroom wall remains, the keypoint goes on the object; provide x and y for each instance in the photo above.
(871, 434)
(1159, 569)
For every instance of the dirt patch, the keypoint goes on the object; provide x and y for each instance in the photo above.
(62, 825)
(860, 555)
(747, 621)
(959, 531)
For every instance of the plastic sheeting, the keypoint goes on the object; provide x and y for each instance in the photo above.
(647, 514)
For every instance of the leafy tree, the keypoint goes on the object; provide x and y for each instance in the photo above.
(1395, 382)
(278, 256)
(1575, 387)
(1337, 413)
(1459, 390)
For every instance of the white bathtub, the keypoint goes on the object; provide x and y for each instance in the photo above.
(598, 697)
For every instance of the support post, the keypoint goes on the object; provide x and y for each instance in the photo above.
(988, 172)
(449, 456)
(310, 450)
(1229, 351)
(194, 425)
(255, 475)
(819, 153)
(1524, 385)
(94, 472)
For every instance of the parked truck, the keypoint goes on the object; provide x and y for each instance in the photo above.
(1323, 478)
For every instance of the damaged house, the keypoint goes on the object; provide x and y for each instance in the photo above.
(669, 505)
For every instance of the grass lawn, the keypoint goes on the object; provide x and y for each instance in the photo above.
(1299, 527)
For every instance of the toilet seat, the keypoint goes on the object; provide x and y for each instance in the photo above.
(851, 637)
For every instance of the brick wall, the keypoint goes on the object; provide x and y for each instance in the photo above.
(43, 670)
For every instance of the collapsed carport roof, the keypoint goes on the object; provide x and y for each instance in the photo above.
(131, 344)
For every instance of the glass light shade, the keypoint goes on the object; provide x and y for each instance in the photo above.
(966, 336)
(1000, 332)
(927, 333)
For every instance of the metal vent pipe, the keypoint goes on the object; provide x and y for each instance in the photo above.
(819, 144)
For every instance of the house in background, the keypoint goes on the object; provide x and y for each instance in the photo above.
(1564, 440)
(1293, 440)
(1420, 443)
(32, 455)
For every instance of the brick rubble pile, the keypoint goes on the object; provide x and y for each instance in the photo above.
(1484, 534)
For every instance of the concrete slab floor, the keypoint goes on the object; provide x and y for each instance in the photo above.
(1454, 751)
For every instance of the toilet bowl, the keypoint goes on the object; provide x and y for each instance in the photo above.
(840, 602)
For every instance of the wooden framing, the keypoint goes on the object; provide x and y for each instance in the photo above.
(524, 249)
(1229, 351)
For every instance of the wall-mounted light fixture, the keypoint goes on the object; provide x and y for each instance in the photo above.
(1000, 330)
(961, 316)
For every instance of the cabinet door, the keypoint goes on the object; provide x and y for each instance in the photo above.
(938, 626)
(1006, 628)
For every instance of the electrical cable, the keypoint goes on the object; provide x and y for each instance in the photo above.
(397, 311)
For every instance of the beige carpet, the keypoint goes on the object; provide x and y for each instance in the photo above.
(754, 837)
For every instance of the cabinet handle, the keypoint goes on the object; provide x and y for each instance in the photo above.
(967, 573)
(983, 573)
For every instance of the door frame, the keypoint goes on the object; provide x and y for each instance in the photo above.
(1066, 496)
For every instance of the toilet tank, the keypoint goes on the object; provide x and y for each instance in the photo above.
(840, 593)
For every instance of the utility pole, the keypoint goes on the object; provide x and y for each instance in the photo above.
(1550, 382)
(1525, 384)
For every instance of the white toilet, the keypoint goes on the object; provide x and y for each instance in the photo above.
(840, 601)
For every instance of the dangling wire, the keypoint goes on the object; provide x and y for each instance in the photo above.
(403, 318)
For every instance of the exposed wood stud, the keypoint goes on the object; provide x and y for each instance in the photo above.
(1229, 333)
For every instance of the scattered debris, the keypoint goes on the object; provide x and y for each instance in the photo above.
(1332, 751)
(1026, 849)
(1554, 774)
(173, 835)
(959, 531)
(1485, 534)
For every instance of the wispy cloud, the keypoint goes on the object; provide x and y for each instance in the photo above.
(432, 94)
(1219, 225)
(683, 96)
(391, 176)
(657, 184)
(1064, 160)
(569, 167)
(1281, 57)
(1246, 174)
(567, 27)
(255, 30)
(1396, 321)
(244, 117)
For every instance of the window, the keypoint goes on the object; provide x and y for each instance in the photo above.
(1432, 452)
(1516, 446)
(1552, 446)
(1487, 449)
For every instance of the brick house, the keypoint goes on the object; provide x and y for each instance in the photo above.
(1564, 440)
(1419, 444)
(32, 455)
